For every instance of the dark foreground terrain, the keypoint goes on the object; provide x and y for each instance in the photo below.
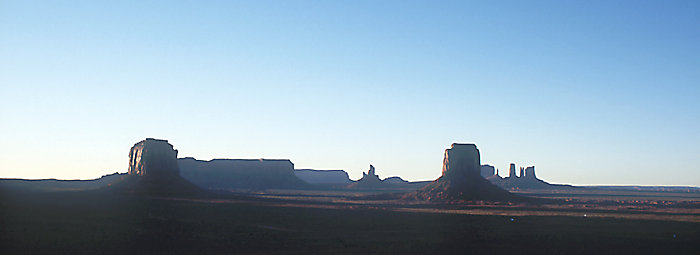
(94, 222)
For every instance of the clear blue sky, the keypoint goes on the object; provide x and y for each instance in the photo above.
(590, 92)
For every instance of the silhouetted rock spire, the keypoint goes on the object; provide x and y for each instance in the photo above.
(511, 173)
(527, 179)
(369, 180)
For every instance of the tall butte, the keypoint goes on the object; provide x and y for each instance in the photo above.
(461, 179)
(153, 170)
(153, 158)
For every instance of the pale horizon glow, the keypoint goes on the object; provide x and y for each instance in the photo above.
(594, 92)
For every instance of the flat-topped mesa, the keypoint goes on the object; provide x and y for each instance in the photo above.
(327, 177)
(488, 171)
(530, 172)
(240, 173)
(153, 157)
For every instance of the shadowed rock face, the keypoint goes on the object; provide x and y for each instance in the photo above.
(369, 180)
(153, 157)
(153, 170)
(461, 161)
(329, 177)
(461, 179)
(370, 176)
(240, 173)
(395, 180)
(530, 172)
(527, 180)
(511, 173)
(487, 171)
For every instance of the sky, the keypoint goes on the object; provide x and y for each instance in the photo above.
(589, 92)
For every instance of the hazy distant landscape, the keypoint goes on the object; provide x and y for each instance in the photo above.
(349, 127)
(262, 207)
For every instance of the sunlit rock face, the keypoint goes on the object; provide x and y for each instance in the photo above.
(461, 179)
(153, 157)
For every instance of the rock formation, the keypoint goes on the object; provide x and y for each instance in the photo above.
(323, 177)
(494, 178)
(527, 180)
(240, 173)
(153, 170)
(511, 173)
(490, 173)
(461, 179)
(487, 171)
(369, 180)
(370, 176)
(530, 172)
(153, 157)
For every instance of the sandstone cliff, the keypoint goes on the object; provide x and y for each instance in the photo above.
(461, 179)
(153, 157)
(153, 170)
